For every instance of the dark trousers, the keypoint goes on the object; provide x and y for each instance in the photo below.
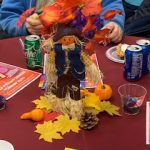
(134, 23)
(67, 83)
(129, 9)
(3, 35)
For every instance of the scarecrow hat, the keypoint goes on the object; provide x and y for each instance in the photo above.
(64, 30)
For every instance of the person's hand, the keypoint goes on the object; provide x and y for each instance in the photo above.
(116, 32)
(33, 24)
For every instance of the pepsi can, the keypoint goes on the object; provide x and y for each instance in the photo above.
(133, 63)
(145, 44)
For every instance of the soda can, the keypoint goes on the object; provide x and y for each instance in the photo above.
(145, 44)
(133, 63)
(33, 52)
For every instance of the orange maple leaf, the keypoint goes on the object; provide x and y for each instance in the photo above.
(101, 36)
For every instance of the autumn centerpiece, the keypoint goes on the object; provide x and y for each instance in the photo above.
(73, 27)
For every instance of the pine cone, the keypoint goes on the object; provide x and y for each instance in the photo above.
(88, 121)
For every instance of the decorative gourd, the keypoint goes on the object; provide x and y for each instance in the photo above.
(35, 115)
(104, 91)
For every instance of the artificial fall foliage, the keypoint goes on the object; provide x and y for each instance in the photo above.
(54, 130)
(48, 131)
(109, 108)
(66, 124)
(91, 101)
(43, 103)
(49, 116)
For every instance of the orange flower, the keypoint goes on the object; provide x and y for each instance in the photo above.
(67, 16)
(89, 24)
(50, 15)
(65, 4)
(91, 7)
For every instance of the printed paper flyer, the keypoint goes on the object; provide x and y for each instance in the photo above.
(147, 122)
(87, 83)
(13, 79)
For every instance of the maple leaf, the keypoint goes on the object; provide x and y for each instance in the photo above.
(91, 100)
(43, 103)
(64, 124)
(49, 116)
(48, 131)
(109, 108)
(53, 130)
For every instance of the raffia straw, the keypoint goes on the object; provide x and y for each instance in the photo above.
(22, 45)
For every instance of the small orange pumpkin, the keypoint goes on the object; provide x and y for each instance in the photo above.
(104, 91)
(35, 115)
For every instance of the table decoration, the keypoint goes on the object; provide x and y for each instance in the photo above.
(71, 28)
(53, 125)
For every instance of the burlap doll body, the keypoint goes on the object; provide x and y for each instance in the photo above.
(65, 68)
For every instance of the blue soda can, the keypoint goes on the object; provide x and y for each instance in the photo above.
(133, 63)
(145, 44)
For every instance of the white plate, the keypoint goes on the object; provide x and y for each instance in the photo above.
(111, 54)
(5, 145)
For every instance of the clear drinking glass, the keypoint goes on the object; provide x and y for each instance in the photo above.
(132, 97)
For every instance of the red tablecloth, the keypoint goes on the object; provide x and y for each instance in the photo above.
(112, 133)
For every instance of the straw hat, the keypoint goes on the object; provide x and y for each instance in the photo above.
(64, 30)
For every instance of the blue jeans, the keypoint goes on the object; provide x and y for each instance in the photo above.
(137, 25)
(129, 9)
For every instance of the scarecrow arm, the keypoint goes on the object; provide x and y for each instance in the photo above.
(50, 69)
(93, 72)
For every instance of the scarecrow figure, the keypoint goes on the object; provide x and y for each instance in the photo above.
(65, 68)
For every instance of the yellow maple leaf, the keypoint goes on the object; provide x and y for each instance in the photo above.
(43, 103)
(91, 100)
(53, 130)
(74, 125)
(109, 108)
(48, 131)
(64, 124)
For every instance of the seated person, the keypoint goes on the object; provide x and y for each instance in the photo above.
(12, 9)
(3, 35)
(137, 21)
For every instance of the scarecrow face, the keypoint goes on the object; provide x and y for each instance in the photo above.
(67, 40)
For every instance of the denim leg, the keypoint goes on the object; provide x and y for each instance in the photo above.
(138, 26)
(129, 9)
